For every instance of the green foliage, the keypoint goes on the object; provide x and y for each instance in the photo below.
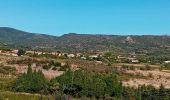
(146, 93)
(90, 84)
(64, 68)
(22, 96)
(21, 52)
(98, 87)
(166, 65)
(47, 67)
(5, 49)
(32, 82)
(5, 83)
(112, 81)
(87, 43)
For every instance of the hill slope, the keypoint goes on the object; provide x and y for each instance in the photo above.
(17, 37)
(84, 42)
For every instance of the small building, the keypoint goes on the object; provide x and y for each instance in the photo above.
(83, 58)
(78, 55)
(70, 55)
(135, 61)
(166, 61)
(93, 56)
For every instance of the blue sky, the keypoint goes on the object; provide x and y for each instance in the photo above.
(57, 17)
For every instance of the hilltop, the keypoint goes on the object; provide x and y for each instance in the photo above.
(73, 42)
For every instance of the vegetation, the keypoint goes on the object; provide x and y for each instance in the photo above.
(81, 83)
(166, 65)
(158, 45)
(93, 78)
(146, 93)
(31, 82)
(7, 69)
(23, 96)
(21, 52)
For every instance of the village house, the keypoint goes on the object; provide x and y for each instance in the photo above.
(78, 54)
(93, 56)
(70, 55)
(135, 61)
(84, 58)
(166, 61)
(54, 53)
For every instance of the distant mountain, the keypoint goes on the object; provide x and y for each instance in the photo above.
(13, 36)
(84, 42)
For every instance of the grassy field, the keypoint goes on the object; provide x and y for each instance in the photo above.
(22, 96)
(5, 93)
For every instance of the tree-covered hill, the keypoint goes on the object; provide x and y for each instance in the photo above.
(73, 42)
(12, 36)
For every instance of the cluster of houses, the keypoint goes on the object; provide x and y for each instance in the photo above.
(120, 58)
(131, 58)
(69, 55)
(59, 54)
(167, 61)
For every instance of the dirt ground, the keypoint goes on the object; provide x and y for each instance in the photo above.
(154, 77)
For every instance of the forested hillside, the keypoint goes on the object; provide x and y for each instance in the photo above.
(73, 42)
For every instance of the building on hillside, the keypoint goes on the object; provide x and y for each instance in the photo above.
(93, 56)
(78, 54)
(70, 55)
(84, 58)
(135, 61)
(167, 61)
(55, 53)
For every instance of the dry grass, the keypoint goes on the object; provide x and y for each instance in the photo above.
(155, 78)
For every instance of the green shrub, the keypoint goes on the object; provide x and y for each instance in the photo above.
(31, 82)
(47, 67)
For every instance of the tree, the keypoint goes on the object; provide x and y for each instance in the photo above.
(32, 82)
(21, 52)
(98, 87)
(65, 79)
(114, 87)
(162, 92)
(29, 70)
(81, 83)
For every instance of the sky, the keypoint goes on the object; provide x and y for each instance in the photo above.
(116, 17)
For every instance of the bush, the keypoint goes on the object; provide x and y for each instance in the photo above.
(31, 82)
(81, 83)
(54, 68)
(21, 52)
(47, 67)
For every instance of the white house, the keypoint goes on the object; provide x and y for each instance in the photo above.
(93, 56)
(166, 61)
(71, 55)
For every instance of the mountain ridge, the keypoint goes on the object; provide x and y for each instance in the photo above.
(74, 42)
